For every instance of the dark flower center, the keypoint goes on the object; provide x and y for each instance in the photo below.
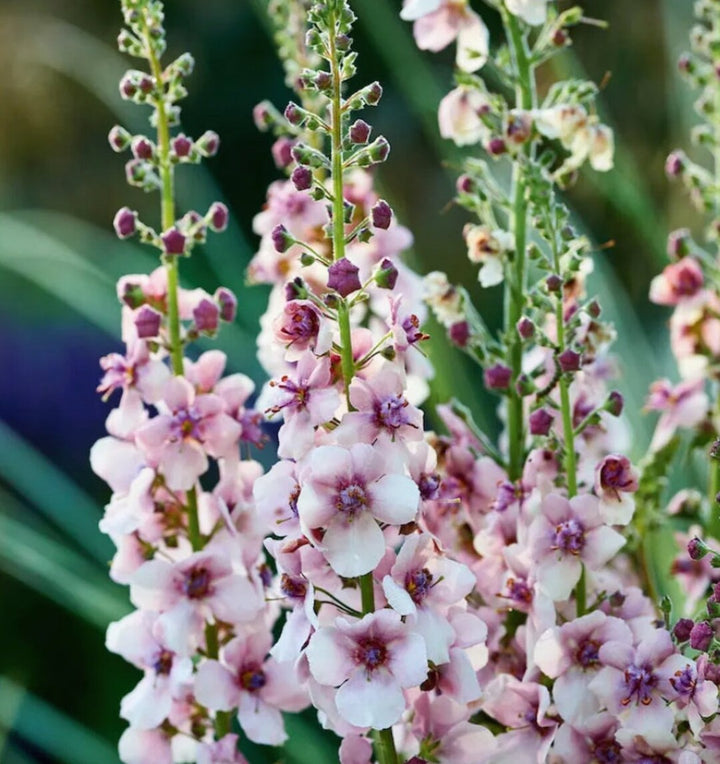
(607, 752)
(639, 682)
(588, 654)
(163, 663)
(418, 584)
(197, 583)
(292, 587)
(390, 412)
(371, 653)
(351, 498)
(252, 678)
(684, 681)
(569, 537)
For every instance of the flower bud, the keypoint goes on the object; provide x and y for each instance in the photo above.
(360, 132)
(540, 422)
(594, 310)
(387, 275)
(206, 315)
(182, 145)
(373, 93)
(525, 328)
(496, 147)
(147, 322)
(343, 277)
(569, 360)
(697, 548)
(302, 178)
(295, 290)
(518, 128)
(381, 215)
(378, 150)
(125, 222)
(227, 302)
(614, 403)
(678, 243)
(524, 385)
(119, 138)
(701, 636)
(282, 152)
(208, 143)
(142, 148)
(553, 283)
(675, 164)
(459, 333)
(465, 185)
(294, 114)
(173, 242)
(682, 629)
(497, 377)
(218, 217)
(281, 238)
(263, 116)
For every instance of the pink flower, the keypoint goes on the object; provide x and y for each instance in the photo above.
(592, 740)
(530, 11)
(566, 535)
(615, 480)
(135, 370)
(259, 687)
(179, 439)
(677, 282)
(685, 405)
(371, 661)
(145, 747)
(276, 495)
(347, 492)
(459, 116)
(697, 696)
(224, 751)
(302, 326)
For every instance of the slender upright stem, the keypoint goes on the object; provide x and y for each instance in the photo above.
(515, 284)
(167, 209)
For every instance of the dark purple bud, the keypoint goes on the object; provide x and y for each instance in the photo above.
(173, 242)
(293, 114)
(498, 377)
(343, 42)
(227, 302)
(146, 84)
(135, 171)
(614, 403)
(379, 150)
(594, 309)
(207, 315)
(697, 548)
(182, 145)
(524, 385)
(119, 138)
(282, 152)
(496, 147)
(281, 238)
(682, 629)
(387, 275)
(128, 88)
(125, 222)
(526, 328)
(465, 185)
(675, 164)
(678, 243)
(540, 422)
(553, 283)
(302, 178)
(701, 636)
(417, 760)
(459, 333)
(560, 38)
(208, 143)
(142, 148)
(323, 81)
(373, 94)
(381, 215)
(133, 295)
(217, 217)
(147, 322)
(343, 277)
(360, 131)
(295, 290)
(569, 360)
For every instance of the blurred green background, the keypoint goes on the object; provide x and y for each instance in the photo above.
(60, 186)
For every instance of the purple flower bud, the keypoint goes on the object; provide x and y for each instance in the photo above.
(295, 290)
(525, 328)
(142, 148)
(553, 283)
(128, 88)
(697, 549)
(125, 222)
(119, 138)
(343, 277)
(227, 302)
(682, 629)
(218, 217)
(173, 242)
(594, 309)
(208, 143)
(379, 150)
(497, 377)
(281, 238)
(360, 131)
(262, 116)
(147, 322)
(182, 145)
(496, 147)
(135, 171)
(293, 114)
(540, 422)
(302, 178)
(323, 80)
(465, 185)
(560, 38)
(387, 275)
(373, 93)
(569, 360)
(675, 164)
(684, 64)
(206, 314)
(459, 333)
(614, 403)
(282, 152)
(381, 215)
(678, 243)
(701, 636)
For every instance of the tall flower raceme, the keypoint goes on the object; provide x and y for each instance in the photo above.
(191, 554)
(377, 619)
(580, 667)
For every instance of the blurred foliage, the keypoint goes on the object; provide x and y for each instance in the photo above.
(59, 188)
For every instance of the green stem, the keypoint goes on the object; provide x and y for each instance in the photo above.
(367, 593)
(515, 284)
(167, 217)
(385, 746)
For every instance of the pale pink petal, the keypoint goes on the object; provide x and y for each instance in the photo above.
(144, 747)
(398, 598)
(117, 462)
(215, 687)
(148, 704)
(558, 577)
(329, 654)
(601, 545)
(376, 702)
(260, 721)
(472, 44)
(314, 509)
(182, 464)
(415, 9)
(394, 499)
(355, 750)
(353, 548)
(235, 599)
(408, 660)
